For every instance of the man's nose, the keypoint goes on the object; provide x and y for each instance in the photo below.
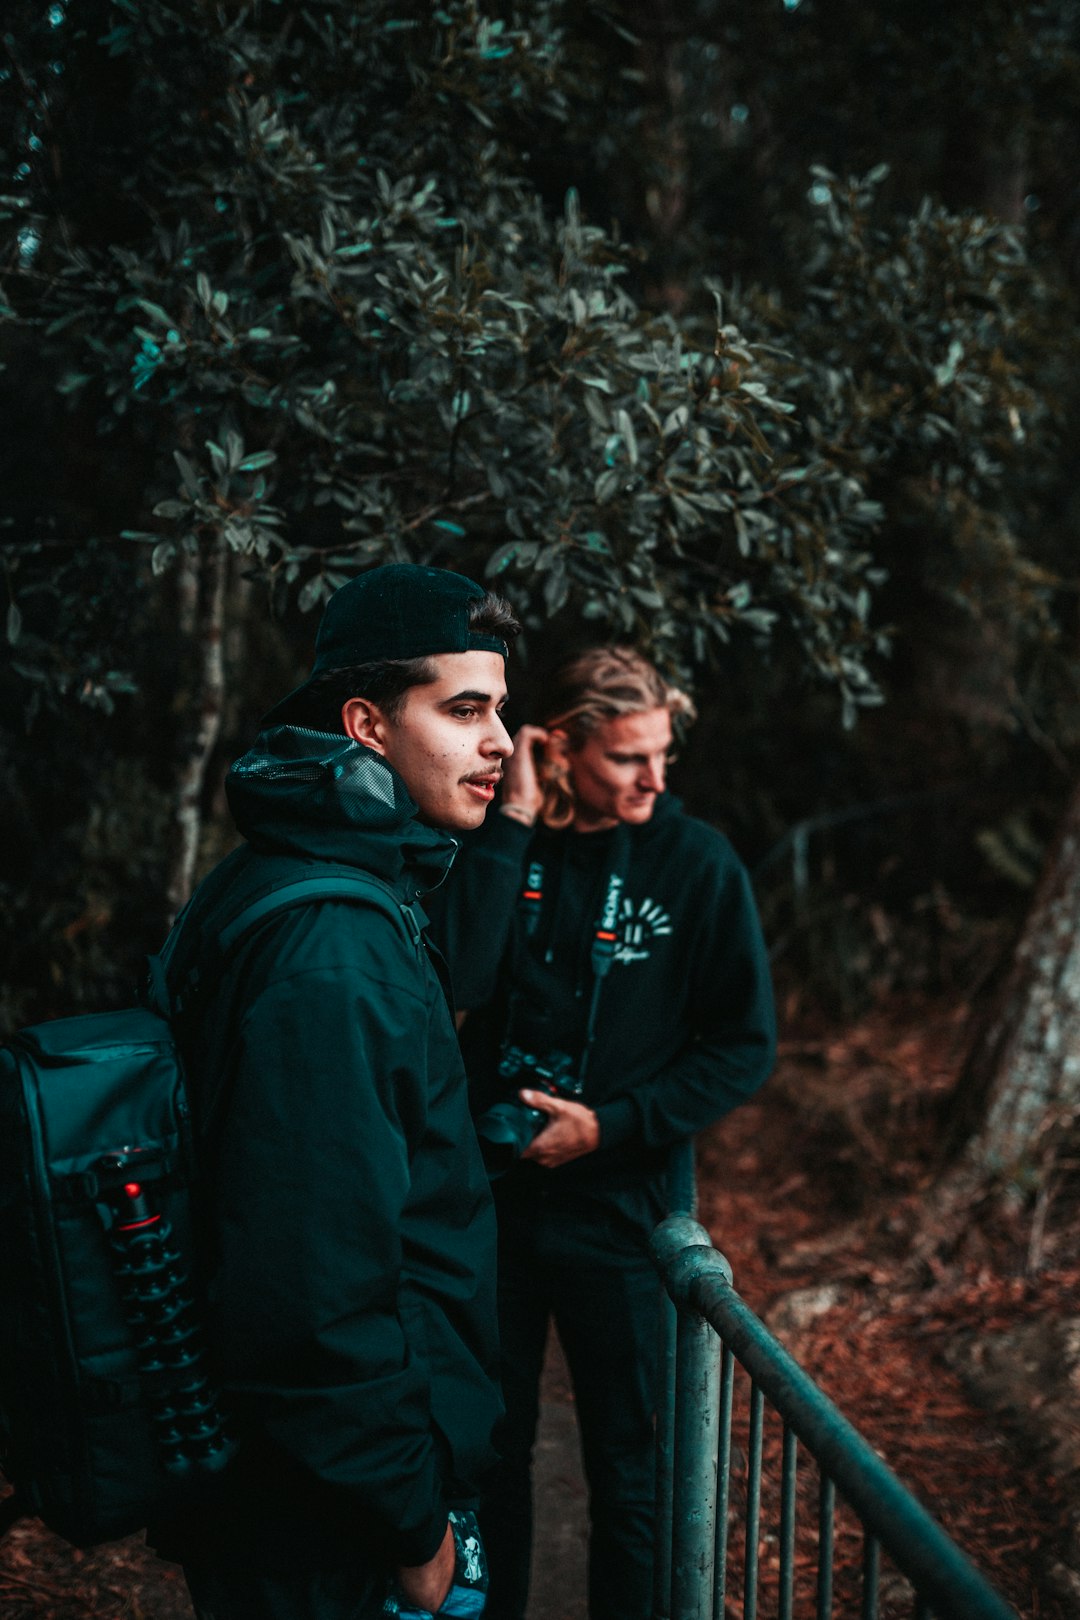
(500, 741)
(654, 776)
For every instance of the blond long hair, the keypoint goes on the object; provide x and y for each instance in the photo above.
(596, 686)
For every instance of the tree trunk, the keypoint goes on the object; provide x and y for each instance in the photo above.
(1023, 1076)
(208, 703)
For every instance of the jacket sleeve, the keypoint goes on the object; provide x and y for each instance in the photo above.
(732, 1046)
(472, 913)
(328, 1100)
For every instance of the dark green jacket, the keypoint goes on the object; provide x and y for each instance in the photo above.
(352, 1241)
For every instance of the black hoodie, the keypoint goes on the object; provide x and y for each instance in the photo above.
(685, 1028)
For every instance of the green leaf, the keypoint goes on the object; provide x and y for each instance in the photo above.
(311, 593)
(629, 437)
(155, 312)
(945, 373)
(502, 557)
(188, 475)
(556, 590)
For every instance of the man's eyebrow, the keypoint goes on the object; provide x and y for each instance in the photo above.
(472, 697)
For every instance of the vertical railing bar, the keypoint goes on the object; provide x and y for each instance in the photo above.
(826, 1506)
(788, 1474)
(723, 1482)
(753, 1504)
(665, 1460)
(693, 1539)
(871, 1575)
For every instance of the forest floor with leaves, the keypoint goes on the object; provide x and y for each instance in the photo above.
(819, 1194)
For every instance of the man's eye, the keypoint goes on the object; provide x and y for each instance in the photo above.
(464, 711)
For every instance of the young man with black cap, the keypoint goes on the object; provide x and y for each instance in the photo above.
(351, 1242)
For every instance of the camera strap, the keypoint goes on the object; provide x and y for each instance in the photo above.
(605, 933)
(532, 897)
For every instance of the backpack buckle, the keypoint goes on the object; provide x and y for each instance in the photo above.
(412, 922)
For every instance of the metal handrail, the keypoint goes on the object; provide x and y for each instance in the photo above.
(709, 1328)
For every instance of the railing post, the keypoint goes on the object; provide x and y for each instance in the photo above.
(682, 1179)
(693, 1530)
(665, 1462)
(683, 1250)
(681, 1200)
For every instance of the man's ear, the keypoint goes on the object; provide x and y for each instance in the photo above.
(365, 723)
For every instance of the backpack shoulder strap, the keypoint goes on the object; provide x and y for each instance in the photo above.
(183, 961)
(340, 884)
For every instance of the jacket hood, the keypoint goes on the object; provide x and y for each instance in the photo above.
(322, 795)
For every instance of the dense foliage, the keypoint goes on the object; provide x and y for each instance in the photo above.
(291, 290)
(344, 329)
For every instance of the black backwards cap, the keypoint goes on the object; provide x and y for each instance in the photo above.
(401, 610)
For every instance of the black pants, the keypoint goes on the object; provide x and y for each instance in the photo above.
(593, 1276)
(234, 1585)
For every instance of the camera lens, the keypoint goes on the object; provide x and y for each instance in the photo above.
(504, 1132)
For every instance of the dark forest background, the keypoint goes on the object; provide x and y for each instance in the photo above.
(744, 332)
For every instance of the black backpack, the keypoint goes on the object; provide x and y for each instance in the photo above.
(107, 1413)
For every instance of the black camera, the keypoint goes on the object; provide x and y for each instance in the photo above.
(506, 1128)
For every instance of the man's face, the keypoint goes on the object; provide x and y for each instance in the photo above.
(619, 769)
(448, 741)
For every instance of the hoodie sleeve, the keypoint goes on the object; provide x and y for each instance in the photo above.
(732, 1024)
(472, 913)
(328, 1101)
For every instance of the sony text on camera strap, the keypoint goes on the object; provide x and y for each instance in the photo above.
(605, 933)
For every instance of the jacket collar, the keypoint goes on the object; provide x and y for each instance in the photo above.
(323, 795)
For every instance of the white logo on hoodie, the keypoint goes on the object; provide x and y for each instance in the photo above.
(637, 927)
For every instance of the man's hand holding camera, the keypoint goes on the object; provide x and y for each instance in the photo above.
(572, 1130)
